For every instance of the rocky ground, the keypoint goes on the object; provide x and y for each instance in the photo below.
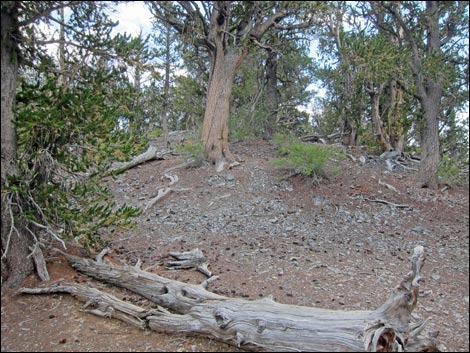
(343, 243)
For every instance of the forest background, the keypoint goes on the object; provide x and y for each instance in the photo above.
(394, 77)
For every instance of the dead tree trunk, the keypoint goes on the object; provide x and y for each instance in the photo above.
(261, 324)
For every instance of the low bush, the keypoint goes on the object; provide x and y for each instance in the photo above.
(303, 158)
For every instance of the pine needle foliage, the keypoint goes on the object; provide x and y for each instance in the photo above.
(303, 158)
(67, 139)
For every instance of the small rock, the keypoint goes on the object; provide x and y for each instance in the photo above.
(419, 229)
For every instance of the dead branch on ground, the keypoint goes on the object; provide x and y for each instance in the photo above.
(161, 193)
(151, 154)
(261, 324)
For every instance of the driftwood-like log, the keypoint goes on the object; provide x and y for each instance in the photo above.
(39, 262)
(149, 155)
(261, 324)
(101, 303)
(320, 138)
(190, 259)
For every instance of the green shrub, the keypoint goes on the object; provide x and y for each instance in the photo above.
(156, 132)
(303, 158)
(67, 140)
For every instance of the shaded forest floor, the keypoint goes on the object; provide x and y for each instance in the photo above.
(328, 245)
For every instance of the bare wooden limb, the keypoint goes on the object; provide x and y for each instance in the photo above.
(320, 138)
(39, 262)
(392, 330)
(261, 324)
(104, 305)
(105, 251)
(49, 231)
(161, 193)
(388, 186)
(351, 156)
(149, 155)
(405, 167)
(188, 164)
(190, 259)
(385, 202)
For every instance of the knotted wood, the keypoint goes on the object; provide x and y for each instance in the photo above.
(261, 324)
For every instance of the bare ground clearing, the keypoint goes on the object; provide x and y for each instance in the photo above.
(327, 245)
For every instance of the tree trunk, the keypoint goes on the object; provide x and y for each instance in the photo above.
(166, 91)
(395, 128)
(349, 133)
(261, 324)
(62, 79)
(430, 92)
(16, 264)
(215, 125)
(379, 132)
(428, 168)
(272, 95)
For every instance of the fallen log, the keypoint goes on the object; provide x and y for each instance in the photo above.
(261, 324)
(149, 155)
(324, 139)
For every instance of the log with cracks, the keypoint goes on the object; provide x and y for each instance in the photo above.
(150, 154)
(261, 324)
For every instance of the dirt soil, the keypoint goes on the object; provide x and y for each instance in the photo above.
(331, 245)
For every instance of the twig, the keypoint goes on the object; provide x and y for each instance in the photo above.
(48, 230)
(161, 193)
(388, 186)
(208, 281)
(351, 156)
(165, 191)
(386, 202)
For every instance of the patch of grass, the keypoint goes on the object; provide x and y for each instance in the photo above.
(304, 158)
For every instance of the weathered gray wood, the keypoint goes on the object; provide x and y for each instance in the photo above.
(190, 259)
(261, 324)
(39, 262)
(103, 304)
(149, 155)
